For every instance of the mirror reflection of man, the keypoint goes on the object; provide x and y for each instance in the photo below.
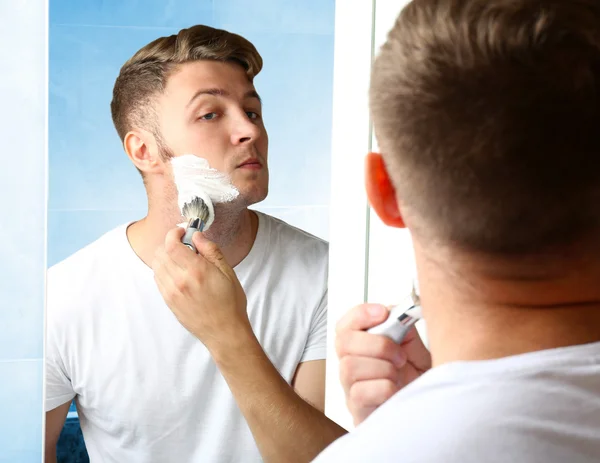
(235, 371)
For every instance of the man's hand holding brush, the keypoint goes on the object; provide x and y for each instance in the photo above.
(202, 290)
(372, 367)
(207, 298)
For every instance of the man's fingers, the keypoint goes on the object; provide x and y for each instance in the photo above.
(362, 317)
(180, 254)
(164, 282)
(416, 352)
(369, 345)
(359, 414)
(174, 237)
(211, 252)
(161, 264)
(355, 368)
(170, 271)
(371, 393)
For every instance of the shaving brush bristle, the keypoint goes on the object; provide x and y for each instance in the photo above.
(414, 295)
(197, 213)
(196, 208)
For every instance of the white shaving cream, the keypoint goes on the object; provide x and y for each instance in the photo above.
(195, 178)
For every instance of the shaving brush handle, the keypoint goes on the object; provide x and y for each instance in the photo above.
(187, 238)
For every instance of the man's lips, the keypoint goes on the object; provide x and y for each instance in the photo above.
(251, 164)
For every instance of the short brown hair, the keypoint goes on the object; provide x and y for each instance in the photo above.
(145, 75)
(488, 117)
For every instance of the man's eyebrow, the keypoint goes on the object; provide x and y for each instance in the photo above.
(222, 93)
(253, 94)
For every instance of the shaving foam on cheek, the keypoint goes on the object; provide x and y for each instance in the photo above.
(195, 178)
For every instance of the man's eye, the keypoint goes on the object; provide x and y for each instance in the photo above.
(253, 115)
(209, 116)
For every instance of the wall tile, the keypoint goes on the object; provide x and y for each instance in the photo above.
(88, 167)
(22, 315)
(280, 16)
(23, 230)
(297, 91)
(138, 13)
(22, 411)
(23, 180)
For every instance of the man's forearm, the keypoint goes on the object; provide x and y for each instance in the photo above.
(50, 455)
(285, 427)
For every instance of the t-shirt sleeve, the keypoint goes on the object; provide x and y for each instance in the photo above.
(58, 386)
(316, 345)
(59, 389)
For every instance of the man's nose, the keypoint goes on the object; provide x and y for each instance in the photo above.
(245, 130)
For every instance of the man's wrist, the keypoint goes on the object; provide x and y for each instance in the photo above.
(235, 346)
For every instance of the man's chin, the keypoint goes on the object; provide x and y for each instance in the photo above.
(255, 198)
(252, 192)
(247, 197)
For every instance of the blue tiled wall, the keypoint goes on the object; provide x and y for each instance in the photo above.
(94, 187)
(23, 228)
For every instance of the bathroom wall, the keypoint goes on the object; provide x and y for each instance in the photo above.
(23, 35)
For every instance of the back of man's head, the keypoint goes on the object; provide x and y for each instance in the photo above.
(487, 113)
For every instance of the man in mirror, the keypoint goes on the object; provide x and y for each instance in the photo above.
(176, 356)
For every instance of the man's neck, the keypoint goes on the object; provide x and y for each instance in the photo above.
(472, 315)
(234, 232)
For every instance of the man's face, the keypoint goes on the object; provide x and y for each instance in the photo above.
(211, 110)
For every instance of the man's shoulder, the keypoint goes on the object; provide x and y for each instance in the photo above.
(483, 411)
(294, 252)
(76, 276)
(90, 253)
(426, 424)
(289, 236)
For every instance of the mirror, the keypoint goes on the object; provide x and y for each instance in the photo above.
(135, 371)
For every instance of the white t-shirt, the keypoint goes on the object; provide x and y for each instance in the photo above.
(541, 407)
(146, 389)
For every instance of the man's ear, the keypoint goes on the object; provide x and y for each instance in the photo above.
(142, 149)
(381, 192)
